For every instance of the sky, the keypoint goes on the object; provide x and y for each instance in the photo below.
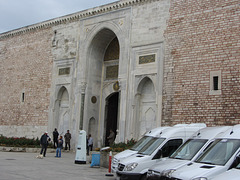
(15, 14)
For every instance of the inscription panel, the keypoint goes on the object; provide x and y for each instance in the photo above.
(147, 59)
(64, 71)
(112, 72)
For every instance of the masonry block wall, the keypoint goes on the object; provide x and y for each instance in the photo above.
(202, 37)
(26, 67)
(149, 22)
(197, 39)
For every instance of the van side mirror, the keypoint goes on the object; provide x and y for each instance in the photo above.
(235, 162)
(238, 159)
(158, 155)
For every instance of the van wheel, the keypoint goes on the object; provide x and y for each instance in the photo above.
(144, 177)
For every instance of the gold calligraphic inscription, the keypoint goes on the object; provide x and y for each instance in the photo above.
(112, 72)
(146, 59)
(64, 71)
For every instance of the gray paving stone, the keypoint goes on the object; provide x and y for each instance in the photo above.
(25, 166)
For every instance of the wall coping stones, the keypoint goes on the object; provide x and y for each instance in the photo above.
(74, 17)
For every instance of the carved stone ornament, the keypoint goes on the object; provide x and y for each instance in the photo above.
(83, 87)
(116, 86)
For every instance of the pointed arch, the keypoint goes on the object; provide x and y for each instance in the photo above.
(63, 97)
(62, 116)
(146, 106)
(97, 40)
(102, 53)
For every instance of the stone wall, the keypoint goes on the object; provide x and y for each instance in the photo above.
(26, 67)
(192, 42)
(64, 44)
(149, 22)
(202, 38)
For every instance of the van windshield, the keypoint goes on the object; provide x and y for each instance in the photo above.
(141, 143)
(220, 152)
(189, 149)
(151, 146)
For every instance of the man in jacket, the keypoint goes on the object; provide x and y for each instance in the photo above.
(44, 143)
(67, 137)
(55, 138)
(111, 137)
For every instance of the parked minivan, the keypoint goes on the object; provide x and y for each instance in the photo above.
(186, 153)
(218, 158)
(142, 142)
(139, 145)
(162, 145)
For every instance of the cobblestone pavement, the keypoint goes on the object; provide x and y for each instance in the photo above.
(25, 166)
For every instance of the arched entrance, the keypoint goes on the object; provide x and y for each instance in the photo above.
(111, 115)
(101, 97)
(62, 117)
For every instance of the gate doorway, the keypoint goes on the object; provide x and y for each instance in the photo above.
(111, 112)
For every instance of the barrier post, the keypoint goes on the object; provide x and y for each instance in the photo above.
(110, 161)
(109, 165)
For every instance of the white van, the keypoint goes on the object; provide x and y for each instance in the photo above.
(139, 145)
(163, 145)
(142, 142)
(186, 153)
(232, 174)
(218, 158)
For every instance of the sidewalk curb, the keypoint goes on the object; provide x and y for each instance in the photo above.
(28, 150)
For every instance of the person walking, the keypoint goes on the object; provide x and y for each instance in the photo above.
(111, 137)
(89, 144)
(67, 137)
(44, 143)
(55, 138)
(59, 147)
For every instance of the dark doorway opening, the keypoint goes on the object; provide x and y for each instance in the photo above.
(111, 115)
